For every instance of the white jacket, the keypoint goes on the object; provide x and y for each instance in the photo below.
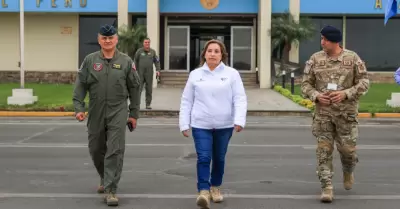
(213, 99)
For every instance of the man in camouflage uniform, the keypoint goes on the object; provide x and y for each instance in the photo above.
(110, 78)
(335, 79)
(144, 59)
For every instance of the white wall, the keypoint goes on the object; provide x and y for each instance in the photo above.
(46, 48)
(9, 41)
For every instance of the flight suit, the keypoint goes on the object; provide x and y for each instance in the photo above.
(109, 83)
(144, 61)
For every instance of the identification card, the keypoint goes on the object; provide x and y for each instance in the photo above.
(332, 86)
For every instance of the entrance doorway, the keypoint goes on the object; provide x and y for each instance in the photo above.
(186, 36)
(200, 34)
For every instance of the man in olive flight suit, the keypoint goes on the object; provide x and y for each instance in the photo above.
(144, 59)
(110, 77)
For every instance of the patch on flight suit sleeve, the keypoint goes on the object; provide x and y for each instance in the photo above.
(155, 59)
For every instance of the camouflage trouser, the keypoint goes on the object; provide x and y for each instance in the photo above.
(341, 129)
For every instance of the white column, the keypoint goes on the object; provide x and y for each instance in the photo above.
(123, 14)
(294, 7)
(264, 43)
(344, 32)
(153, 29)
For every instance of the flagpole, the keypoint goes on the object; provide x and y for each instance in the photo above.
(22, 41)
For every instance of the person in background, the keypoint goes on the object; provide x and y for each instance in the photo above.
(145, 58)
(213, 105)
(397, 76)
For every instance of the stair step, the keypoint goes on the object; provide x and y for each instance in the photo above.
(179, 79)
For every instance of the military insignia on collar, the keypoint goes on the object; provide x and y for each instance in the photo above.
(98, 66)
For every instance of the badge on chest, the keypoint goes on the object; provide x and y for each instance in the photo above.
(332, 86)
(116, 66)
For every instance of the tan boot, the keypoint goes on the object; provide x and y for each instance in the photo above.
(111, 199)
(327, 194)
(203, 200)
(348, 180)
(216, 194)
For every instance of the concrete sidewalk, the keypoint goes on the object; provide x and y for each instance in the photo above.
(260, 102)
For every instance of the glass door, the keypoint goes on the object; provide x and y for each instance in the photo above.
(241, 48)
(178, 48)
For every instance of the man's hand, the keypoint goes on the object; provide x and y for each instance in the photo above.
(324, 99)
(80, 116)
(133, 121)
(337, 96)
(238, 128)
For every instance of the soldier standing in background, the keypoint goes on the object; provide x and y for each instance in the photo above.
(110, 78)
(144, 59)
(335, 79)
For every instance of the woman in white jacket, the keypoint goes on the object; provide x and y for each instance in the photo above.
(213, 104)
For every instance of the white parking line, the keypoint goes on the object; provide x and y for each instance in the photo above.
(251, 125)
(63, 145)
(185, 196)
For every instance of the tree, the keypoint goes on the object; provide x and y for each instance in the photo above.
(285, 31)
(131, 38)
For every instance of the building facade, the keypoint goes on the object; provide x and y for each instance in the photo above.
(60, 33)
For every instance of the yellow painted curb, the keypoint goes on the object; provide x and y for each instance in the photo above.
(35, 114)
(387, 115)
(364, 115)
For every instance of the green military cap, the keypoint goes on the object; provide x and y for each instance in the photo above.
(107, 30)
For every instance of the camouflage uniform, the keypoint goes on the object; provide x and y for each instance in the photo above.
(336, 122)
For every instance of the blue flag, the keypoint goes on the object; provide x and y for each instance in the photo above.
(391, 10)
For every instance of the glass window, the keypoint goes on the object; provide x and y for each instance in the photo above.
(178, 48)
(88, 28)
(242, 37)
(178, 37)
(177, 59)
(374, 42)
(242, 59)
(241, 51)
(307, 48)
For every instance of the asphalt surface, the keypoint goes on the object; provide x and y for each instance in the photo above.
(45, 164)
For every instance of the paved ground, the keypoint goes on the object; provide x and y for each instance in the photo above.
(45, 165)
(258, 100)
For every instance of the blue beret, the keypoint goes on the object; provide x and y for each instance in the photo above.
(332, 34)
(107, 30)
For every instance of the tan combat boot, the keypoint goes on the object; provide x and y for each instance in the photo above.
(203, 200)
(216, 194)
(327, 194)
(111, 199)
(348, 180)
